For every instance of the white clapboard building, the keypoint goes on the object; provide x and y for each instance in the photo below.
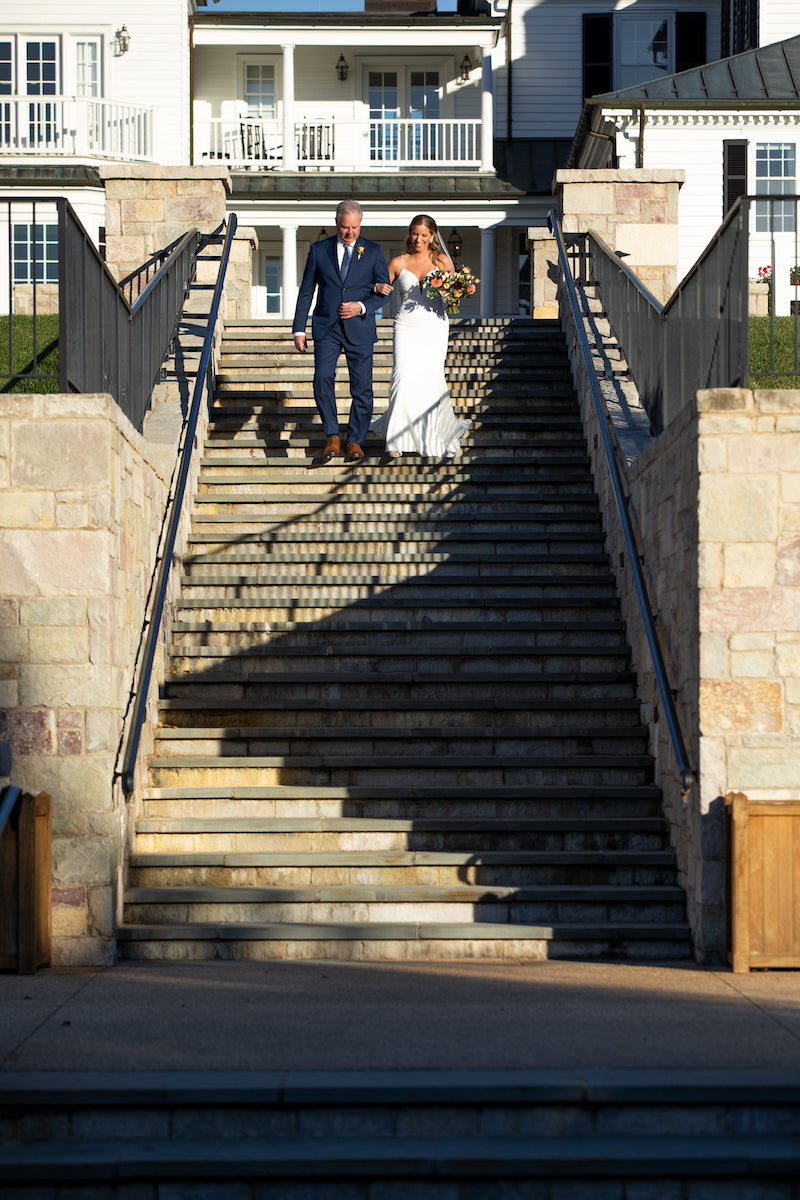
(464, 115)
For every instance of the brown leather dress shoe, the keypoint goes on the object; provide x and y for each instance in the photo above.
(332, 447)
(353, 452)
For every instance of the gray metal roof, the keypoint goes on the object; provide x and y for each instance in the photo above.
(768, 73)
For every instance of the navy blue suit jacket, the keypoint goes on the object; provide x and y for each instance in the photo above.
(322, 271)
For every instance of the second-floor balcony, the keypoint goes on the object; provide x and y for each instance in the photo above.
(76, 126)
(341, 145)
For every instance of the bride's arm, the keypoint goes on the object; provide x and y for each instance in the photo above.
(395, 267)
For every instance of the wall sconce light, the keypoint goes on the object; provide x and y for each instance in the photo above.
(321, 235)
(455, 244)
(342, 68)
(122, 41)
(465, 68)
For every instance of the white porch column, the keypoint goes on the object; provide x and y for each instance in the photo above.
(289, 148)
(487, 272)
(289, 271)
(487, 115)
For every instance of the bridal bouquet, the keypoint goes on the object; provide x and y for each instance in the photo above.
(452, 286)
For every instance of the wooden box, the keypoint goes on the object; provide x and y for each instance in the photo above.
(763, 882)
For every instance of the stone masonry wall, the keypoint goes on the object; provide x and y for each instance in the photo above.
(716, 501)
(81, 502)
(634, 211)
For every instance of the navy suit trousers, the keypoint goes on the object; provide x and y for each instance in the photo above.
(359, 365)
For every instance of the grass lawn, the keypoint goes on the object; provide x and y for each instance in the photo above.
(12, 378)
(784, 353)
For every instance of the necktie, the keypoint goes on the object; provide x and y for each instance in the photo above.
(345, 267)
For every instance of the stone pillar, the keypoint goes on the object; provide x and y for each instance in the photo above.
(634, 211)
(81, 502)
(487, 272)
(148, 207)
(544, 273)
(289, 148)
(289, 271)
(239, 276)
(487, 115)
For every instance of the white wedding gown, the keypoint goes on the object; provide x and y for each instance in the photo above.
(420, 417)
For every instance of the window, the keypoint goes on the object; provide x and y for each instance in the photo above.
(35, 253)
(272, 281)
(644, 50)
(383, 107)
(41, 69)
(6, 68)
(623, 49)
(424, 106)
(87, 68)
(259, 89)
(776, 175)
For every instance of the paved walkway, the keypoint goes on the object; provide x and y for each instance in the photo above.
(331, 1016)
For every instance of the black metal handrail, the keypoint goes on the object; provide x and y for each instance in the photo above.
(686, 774)
(164, 562)
(105, 343)
(699, 337)
(133, 285)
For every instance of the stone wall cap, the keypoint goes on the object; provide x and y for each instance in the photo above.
(628, 175)
(246, 233)
(539, 233)
(724, 400)
(155, 171)
(777, 400)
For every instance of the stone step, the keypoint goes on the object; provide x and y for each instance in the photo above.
(446, 525)
(375, 941)
(544, 712)
(342, 905)
(384, 801)
(151, 838)
(424, 1135)
(404, 553)
(360, 739)
(314, 771)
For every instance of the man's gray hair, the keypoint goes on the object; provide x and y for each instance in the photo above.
(348, 206)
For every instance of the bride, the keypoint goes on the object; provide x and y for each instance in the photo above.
(420, 416)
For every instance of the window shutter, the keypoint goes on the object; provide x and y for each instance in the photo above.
(734, 172)
(598, 54)
(690, 40)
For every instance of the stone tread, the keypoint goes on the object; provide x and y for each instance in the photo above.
(563, 793)
(405, 931)
(448, 558)
(474, 893)
(386, 762)
(410, 733)
(191, 825)
(577, 1159)
(398, 858)
(314, 704)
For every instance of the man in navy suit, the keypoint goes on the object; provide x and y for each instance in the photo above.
(344, 269)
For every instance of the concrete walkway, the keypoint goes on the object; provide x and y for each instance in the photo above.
(332, 1016)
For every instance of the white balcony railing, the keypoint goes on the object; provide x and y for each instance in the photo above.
(253, 144)
(79, 126)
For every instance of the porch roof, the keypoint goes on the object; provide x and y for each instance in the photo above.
(432, 30)
(313, 185)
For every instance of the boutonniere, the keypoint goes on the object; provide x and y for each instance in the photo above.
(359, 251)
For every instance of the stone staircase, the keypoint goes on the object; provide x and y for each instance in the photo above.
(401, 720)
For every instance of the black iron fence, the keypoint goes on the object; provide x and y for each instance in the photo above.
(733, 321)
(698, 339)
(111, 337)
